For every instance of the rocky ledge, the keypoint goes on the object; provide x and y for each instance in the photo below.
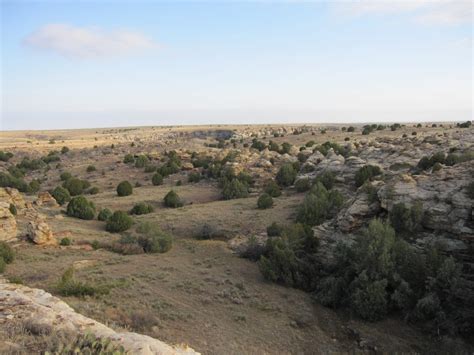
(35, 306)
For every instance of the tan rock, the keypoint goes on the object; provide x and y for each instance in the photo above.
(39, 232)
(8, 228)
(11, 195)
(41, 309)
(45, 199)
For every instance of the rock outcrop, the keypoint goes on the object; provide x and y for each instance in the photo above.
(13, 196)
(45, 199)
(43, 311)
(8, 230)
(39, 232)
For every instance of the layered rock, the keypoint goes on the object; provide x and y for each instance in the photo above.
(45, 199)
(8, 228)
(41, 310)
(39, 232)
(13, 196)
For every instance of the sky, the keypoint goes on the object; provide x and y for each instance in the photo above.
(77, 64)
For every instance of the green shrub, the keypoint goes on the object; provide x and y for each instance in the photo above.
(80, 207)
(264, 201)
(74, 186)
(285, 148)
(3, 266)
(86, 343)
(61, 195)
(302, 185)
(104, 214)
(290, 259)
(118, 222)
(129, 159)
(234, 188)
(93, 190)
(370, 298)
(7, 180)
(256, 144)
(327, 178)
(141, 208)
(194, 176)
(69, 286)
(13, 209)
(206, 232)
(272, 189)
(406, 220)
(141, 161)
(470, 190)
(286, 175)
(274, 230)
(157, 179)
(172, 200)
(91, 168)
(6, 253)
(367, 172)
(5, 156)
(152, 239)
(318, 205)
(65, 242)
(34, 186)
(124, 189)
(65, 176)
(64, 150)
(150, 169)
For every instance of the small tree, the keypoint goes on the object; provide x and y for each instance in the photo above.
(194, 176)
(172, 200)
(141, 208)
(129, 159)
(118, 222)
(104, 214)
(302, 185)
(272, 189)
(80, 207)
(61, 195)
(234, 189)
(264, 201)
(124, 189)
(286, 175)
(157, 179)
(91, 168)
(74, 186)
(153, 239)
(367, 172)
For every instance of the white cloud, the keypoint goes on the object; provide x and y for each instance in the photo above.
(432, 12)
(87, 42)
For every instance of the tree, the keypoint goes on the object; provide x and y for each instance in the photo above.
(172, 200)
(61, 195)
(286, 175)
(124, 189)
(272, 189)
(234, 188)
(81, 208)
(157, 179)
(118, 222)
(74, 186)
(264, 201)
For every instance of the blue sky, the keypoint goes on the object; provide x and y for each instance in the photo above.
(76, 64)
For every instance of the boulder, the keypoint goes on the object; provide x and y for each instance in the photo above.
(11, 195)
(41, 310)
(8, 228)
(39, 232)
(45, 199)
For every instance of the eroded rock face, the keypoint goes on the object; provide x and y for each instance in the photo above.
(8, 229)
(40, 308)
(443, 195)
(45, 199)
(11, 195)
(39, 232)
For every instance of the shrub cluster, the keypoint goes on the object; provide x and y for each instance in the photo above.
(290, 259)
(5, 156)
(7, 255)
(264, 201)
(119, 221)
(318, 205)
(124, 189)
(69, 286)
(172, 200)
(272, 189)
(380, 273)
(61, 195)
(366, 173)
(80, 207)
(406, 220)
(104, 214)
(141, 208)
(302, 185)
(75, 186)
(286, 175)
